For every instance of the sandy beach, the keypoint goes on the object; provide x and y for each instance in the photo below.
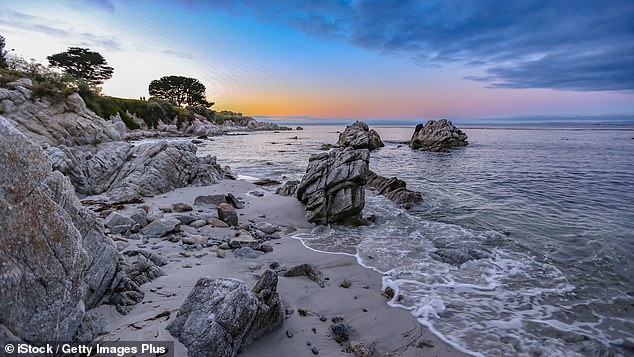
(389, 331)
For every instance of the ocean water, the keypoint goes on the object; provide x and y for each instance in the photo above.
(546, 213)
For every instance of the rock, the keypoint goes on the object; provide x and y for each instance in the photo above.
(181, 207)
(198, 223)
(161, 227)
(228, 214)
(221, 253)
(437, 136)
(232, 200)
(222, 316)
(210, 200)
(246, 252)
(326, 147)
(194, 240)
(266, 248)
(140, 216)
(394, 189)
(299, 128)
(55, 261)
(454, 256)
(333, 187)
(360, 350)
(359, 136)
(120, 229)
(266, 182)
(166, 208)
(217, 222)
(224, 245)
(117, 219)
(257, 193)
(288, 188)
(154, 214)
(309, 270)
(185, 218)
(266, 227)
(340, 332)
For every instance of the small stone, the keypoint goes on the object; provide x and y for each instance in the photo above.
(185, 254)
(340, 331)
(359, 349)
(290, 333)
(274, 265)
(213, 221)
(227, 214)
(315, 350)
(198, 223)
(246, 252)
(289, 311)
(257, 193)
(364, 310)
(266, 248)
(266, 227)
(181, 207)
(323, 319)
(345, 284)
(187, 266)
(255, 266)
(225, 246)
(221, 253)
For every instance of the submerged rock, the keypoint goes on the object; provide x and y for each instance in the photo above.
(437, 136)
(333, 187)
(394, 189)
(359, 136)
(221, 317)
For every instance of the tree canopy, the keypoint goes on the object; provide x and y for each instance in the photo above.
(3, 53)
(83, 63)
(179, 91)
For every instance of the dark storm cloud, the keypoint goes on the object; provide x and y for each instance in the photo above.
(560, 44)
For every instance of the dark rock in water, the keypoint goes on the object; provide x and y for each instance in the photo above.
(333, 187)
(437, 136)
(359, 136)
(266, 182)
(181, 207)
(55, 261)
(288, 188)
(228, 214)
(457, 256)
(309, 270)
(222, 316)
(340, 331)
(299, 128)
(394, 189)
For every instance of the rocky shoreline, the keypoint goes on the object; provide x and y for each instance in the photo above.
(163, 239)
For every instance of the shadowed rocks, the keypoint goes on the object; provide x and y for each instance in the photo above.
(437, 136)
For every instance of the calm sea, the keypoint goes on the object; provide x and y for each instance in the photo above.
(547, 211)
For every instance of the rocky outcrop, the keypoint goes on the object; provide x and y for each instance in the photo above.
(123, 171)
(359, 136)
(221, 317)
(55, 261)
(200, 127)
(437, 136)
(288, 188)
(394, 189)
(333, 187)
(55, 122)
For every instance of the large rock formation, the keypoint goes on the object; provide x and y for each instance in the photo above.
(121, 171)
(359, 136)
(222, 316)
(394, 189)
(437, 136)
(55, 261)
(333, 187)
(52, 121)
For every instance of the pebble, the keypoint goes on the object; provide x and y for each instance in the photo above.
(290, 333)
(315, 350)
(364, 310)
(323, 318)
(221, 254)
(187, 266)
(185, 254)
(289, 311)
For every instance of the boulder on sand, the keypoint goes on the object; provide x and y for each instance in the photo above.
(333, 187)
(437, 136)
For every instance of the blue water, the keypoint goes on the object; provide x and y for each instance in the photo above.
(547, 211)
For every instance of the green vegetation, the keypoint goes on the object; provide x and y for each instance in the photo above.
(83, 64)
(179, 91)
(3, 53)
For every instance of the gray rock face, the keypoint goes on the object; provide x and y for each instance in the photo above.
(394, 189)
(288, 188)
(161, 227)
(55, 259)
(333, 187)
(115, 219)
(437, 136)
(121, 171)
(66, 122)
(222, 316)
(359, 136)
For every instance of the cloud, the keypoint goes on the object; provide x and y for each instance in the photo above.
(582, 45)
(177, 54)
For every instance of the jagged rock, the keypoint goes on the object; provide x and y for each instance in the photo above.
(51, 122)
(394, 189)
(228, 214)
(288, 188)
(55, 261)
(116, 219)
(140, 217)
(266, 227)
(266, 182)
(359, 136)
(437, 136)
(333, 187)
(154, 214)
(199, 127)
(222, 316)
(161, 227)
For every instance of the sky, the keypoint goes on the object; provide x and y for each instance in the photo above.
(353, 59)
